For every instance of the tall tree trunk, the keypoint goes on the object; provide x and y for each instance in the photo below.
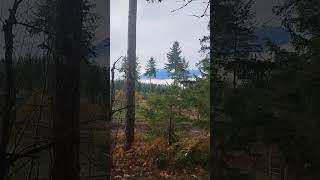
(150, 85)
(234, 78)
(108, 99)
(170, 129)
(9, 99)
(235, 62)
(213, 160)
(108, 107)
(67, 98)
(9, 112)
(130, 94)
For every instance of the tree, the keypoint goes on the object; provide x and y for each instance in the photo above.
(231, 41)
(68, 53)
(301, 20)
(177, 66)
(234, 31)
(276, 108)
(151, 70)
(43, 22)
(124, 68)
(130, 93)
(164, 111)
(296, 85)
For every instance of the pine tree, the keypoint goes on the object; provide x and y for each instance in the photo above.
(232, 42)
(301, 19)
(177, 66)
(234, 34)
(44, 17)
(124, 68)
(151, 70)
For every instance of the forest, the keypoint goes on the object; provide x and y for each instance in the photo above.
(249, 113)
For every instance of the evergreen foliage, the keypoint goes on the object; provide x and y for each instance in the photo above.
(151, 70)
(124, 68)
(177, 66)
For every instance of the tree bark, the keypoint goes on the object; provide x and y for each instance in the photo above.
(67, 98)
(108, 106)
(234, 79)
(108, 100)
(9, 99)
(213, 166)
(130, 94)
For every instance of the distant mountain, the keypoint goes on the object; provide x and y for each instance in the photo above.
(278, 35)
(102, 47)
(163, 74)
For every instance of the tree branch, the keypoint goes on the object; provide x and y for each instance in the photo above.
(17, 156)
(112, 81)
(34, 27)
(190, 1)
(114, 111)
(205, 11)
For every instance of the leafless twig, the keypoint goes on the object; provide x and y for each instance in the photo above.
(120, 109)
(205, 11)
(186, 4)
(112, 82)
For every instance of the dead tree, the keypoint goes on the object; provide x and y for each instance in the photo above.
(67, 56)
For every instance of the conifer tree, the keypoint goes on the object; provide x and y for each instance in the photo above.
(44, 17)
(124, 67)
(177, 66)
(151, 70)
(234, 34)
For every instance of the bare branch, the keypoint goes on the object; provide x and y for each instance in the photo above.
(190, 1)
(112, 81)
(34, 27)
(205, 11)
(114, 111)
(30, 152)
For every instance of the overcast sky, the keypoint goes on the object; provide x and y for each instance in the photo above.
(157, 29)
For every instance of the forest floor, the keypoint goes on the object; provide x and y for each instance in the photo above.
(141, 162)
